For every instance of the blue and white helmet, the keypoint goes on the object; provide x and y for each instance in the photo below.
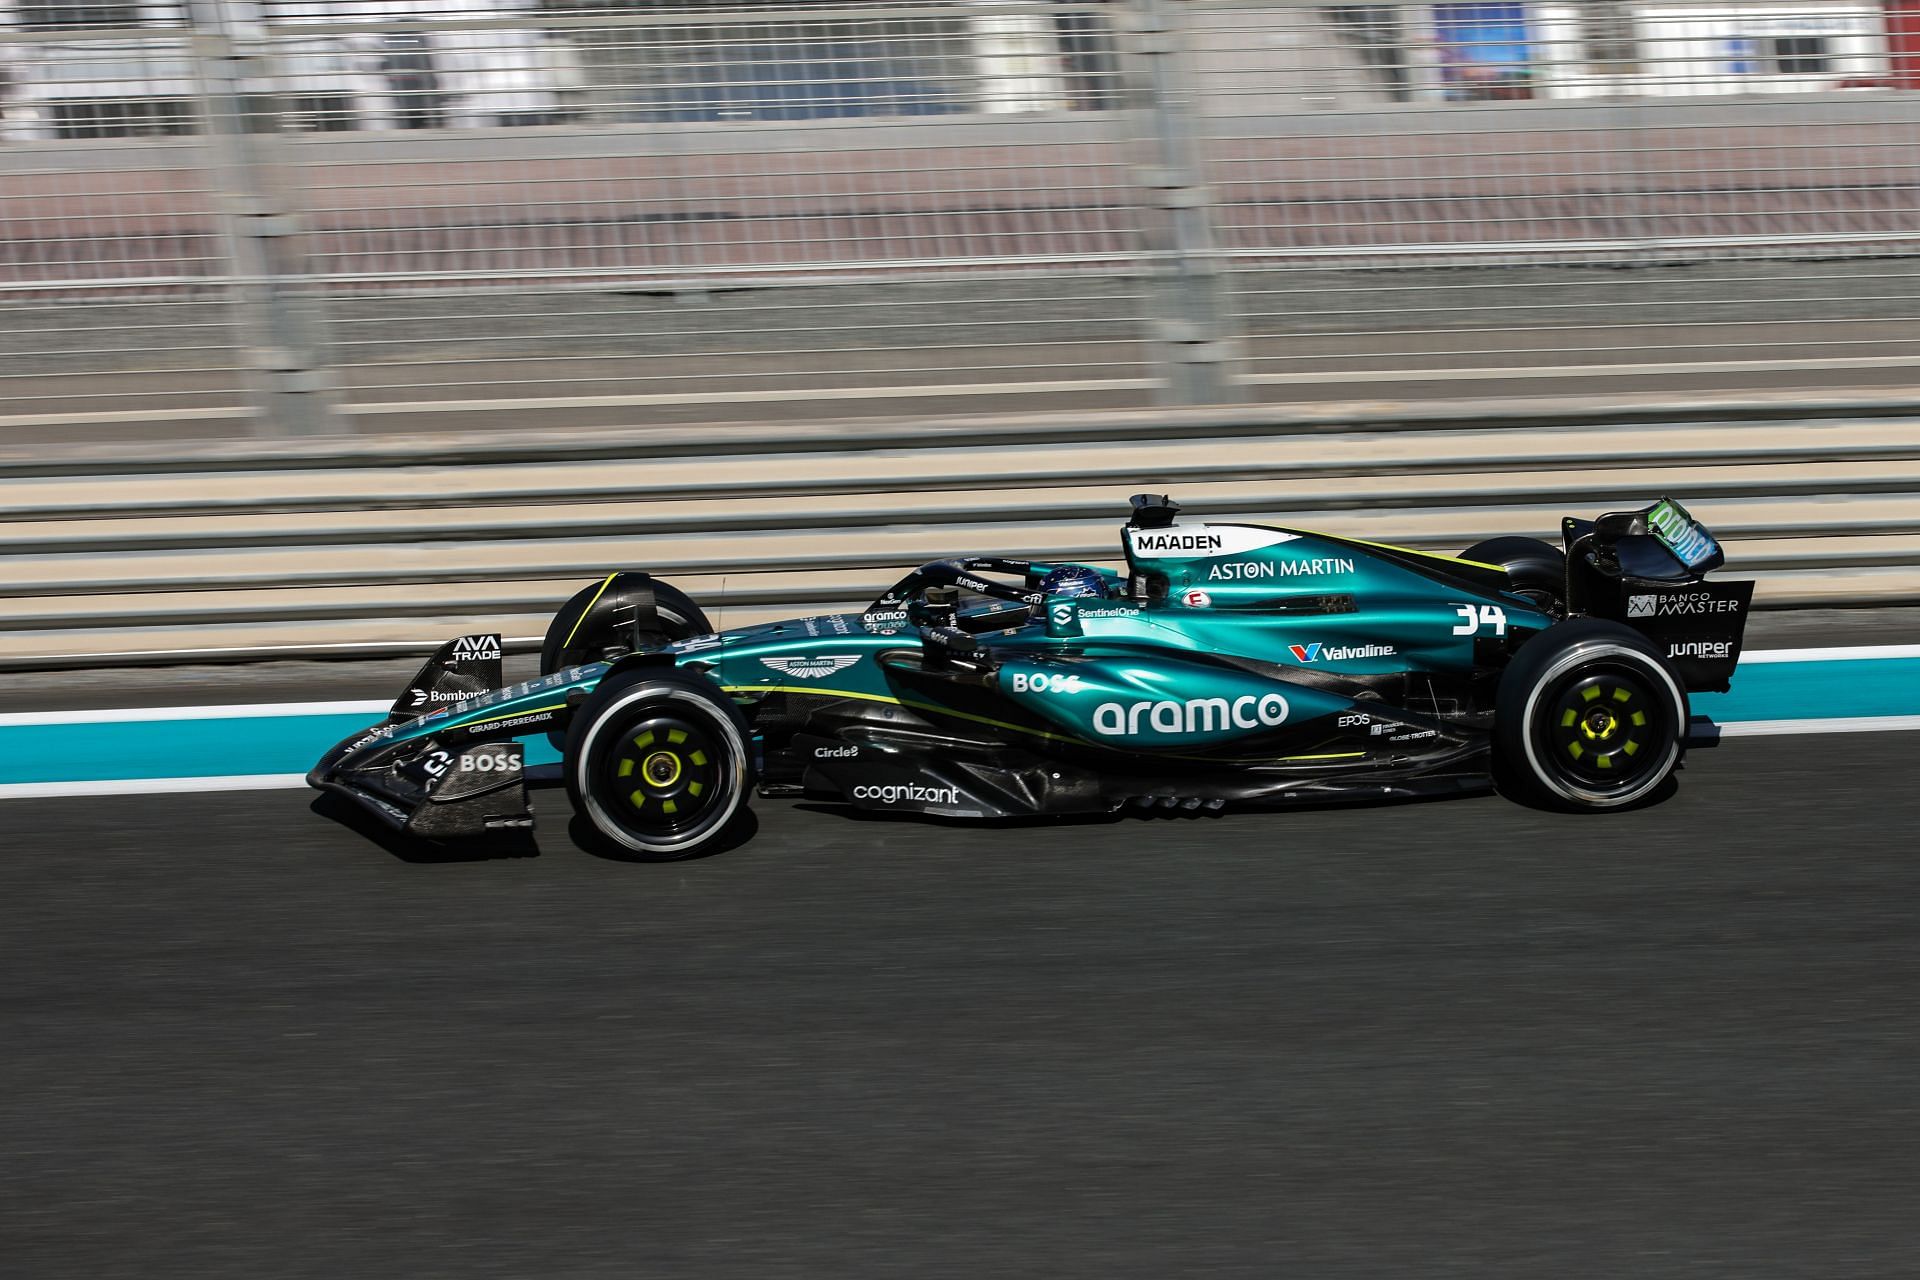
(1073, 580)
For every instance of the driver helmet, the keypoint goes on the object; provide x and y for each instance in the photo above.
(1073, 580)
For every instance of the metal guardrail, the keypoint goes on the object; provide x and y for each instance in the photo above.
(232, 217)
(389, 545)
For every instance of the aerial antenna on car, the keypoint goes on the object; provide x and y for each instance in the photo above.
(1152, 511)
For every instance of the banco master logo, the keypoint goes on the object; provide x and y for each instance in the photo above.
(894, 793)
(1680, 604)
(1694, 603)
(1339, 652)
(812, 668)
(1195, 715)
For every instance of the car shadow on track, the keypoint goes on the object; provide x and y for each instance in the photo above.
(1516, 794)
(1132, 813)
(742, 829)
(506, 844)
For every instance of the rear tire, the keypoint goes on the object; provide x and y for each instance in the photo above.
(657, 765)
(572, 642)
(1588, 716)
(1538, 570)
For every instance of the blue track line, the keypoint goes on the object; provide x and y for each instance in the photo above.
(194, 748)
(1827, 690)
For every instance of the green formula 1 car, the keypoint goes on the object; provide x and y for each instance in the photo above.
(1228, 665)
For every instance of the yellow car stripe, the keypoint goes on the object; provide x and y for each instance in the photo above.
(788, 688)
(589, 609)
(511, 715)
(1410, 551)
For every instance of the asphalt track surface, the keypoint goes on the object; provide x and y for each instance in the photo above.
(1457, 1038)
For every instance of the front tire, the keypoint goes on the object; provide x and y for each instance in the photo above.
(1588, 716)
(657, 765)
(588, 627)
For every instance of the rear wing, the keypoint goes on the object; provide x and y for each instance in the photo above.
(1648, 569)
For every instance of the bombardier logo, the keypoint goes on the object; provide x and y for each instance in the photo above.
(1195, 715)
(1339, 652)
(421, 697)
(812, 668)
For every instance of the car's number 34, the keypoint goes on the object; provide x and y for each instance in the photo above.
(1474, 617)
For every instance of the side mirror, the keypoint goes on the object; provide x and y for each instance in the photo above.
(1152, 511)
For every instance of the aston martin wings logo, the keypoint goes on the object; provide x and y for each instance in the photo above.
(812, 668)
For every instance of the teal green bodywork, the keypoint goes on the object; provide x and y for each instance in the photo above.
(1154, 672)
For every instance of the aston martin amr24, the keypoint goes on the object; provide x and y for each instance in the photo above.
(1224, 665)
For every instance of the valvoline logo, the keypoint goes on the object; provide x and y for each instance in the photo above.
(1339, 652)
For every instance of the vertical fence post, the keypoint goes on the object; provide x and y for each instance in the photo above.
(1190, 319)
(280, 331)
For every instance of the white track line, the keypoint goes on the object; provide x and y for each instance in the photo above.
(264, 710)
(151, 786)
(1855, 654)
(287, 781)
(1845, 724)
(238, 711)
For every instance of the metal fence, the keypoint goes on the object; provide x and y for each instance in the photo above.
(288, 216)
